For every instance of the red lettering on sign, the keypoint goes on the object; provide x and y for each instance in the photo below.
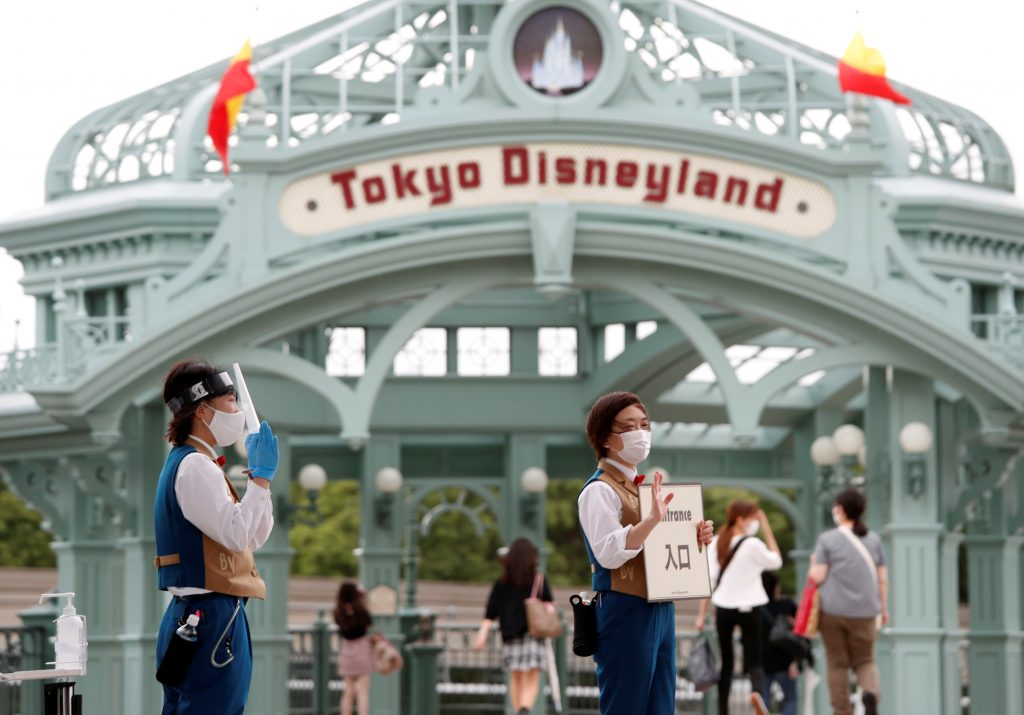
(469, 174)
(404, 181)
(373, 190)
(707, 184)
(516, 165)
(739, 185)
(439, 185)
(598, 166)
(767, 197)
(657, 183)
(344, 178)
(626, 174)
(565, 170)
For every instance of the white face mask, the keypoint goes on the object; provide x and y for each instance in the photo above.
(753, 527)
(837, 515)
(227, 427)
(636, 445)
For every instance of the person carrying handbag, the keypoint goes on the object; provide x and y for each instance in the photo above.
(849, 565)
(523, 655)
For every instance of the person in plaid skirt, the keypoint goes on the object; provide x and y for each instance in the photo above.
(355, 663)
(523, 656)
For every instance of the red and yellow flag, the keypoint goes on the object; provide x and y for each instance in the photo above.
(234, 85)
(862, 70)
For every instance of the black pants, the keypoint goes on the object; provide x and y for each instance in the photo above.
(726, 620)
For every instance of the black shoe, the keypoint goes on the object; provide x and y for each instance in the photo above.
(870, 701)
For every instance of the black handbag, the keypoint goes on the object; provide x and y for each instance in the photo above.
(702, 666)
(584, 618)
(782, 637)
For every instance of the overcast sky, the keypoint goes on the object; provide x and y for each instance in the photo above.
(64, 59)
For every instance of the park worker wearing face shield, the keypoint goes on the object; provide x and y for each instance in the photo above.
(205, 538)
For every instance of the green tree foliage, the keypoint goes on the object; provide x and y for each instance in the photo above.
(23, 541)
(568, 564)
(324, 547)
(452, 550)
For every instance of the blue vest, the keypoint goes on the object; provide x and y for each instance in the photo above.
(186, 557)
(174, 533)
(600, 577)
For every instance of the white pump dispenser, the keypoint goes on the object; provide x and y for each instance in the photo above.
(71, 645)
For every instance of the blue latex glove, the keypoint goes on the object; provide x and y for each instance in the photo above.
(261, 447)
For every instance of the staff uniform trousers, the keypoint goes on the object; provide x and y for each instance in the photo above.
(217, 680)
(636, 655)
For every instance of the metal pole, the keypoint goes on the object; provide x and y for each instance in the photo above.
(730, 40)
(453, 40)
(321, 651)
(411, 563)
(343, 90)
(794, 118)
(286, 101)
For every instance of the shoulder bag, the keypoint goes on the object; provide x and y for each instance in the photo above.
(542, 619)
(872, 566)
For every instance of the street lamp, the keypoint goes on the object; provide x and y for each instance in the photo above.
(312, 478)
(915, 441)
(825, 455)
(534, 481)
(849, 440)
(388, 482)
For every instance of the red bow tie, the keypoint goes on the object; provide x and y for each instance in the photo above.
(221, 460)
(639, 479)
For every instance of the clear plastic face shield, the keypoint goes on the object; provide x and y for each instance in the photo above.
(252, 422)
(219, 384)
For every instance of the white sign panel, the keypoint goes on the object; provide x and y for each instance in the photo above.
(676, 568)
(517, 174)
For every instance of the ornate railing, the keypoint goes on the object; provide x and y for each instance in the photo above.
(468, 680)
(85, 341)
(1004, 335)
(366, 66)
(21, 648)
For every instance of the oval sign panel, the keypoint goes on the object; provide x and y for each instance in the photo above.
(580, 173)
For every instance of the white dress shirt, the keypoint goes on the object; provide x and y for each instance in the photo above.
(601, 518)
(741, 586)
(207, 503)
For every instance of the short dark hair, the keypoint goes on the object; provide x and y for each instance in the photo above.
(183, 375)
(854, 504)
(602, 416)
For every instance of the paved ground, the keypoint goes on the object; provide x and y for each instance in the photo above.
(454, 602)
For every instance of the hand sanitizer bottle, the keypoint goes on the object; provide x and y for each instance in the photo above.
(71, 645)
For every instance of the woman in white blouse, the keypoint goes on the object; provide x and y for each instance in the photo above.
(737, 560)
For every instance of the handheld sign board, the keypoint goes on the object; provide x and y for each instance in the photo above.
(676, 568)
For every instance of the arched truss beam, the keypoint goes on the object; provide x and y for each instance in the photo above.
(354, 407)
(479, 257)
(789, 293)
(659, 361)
